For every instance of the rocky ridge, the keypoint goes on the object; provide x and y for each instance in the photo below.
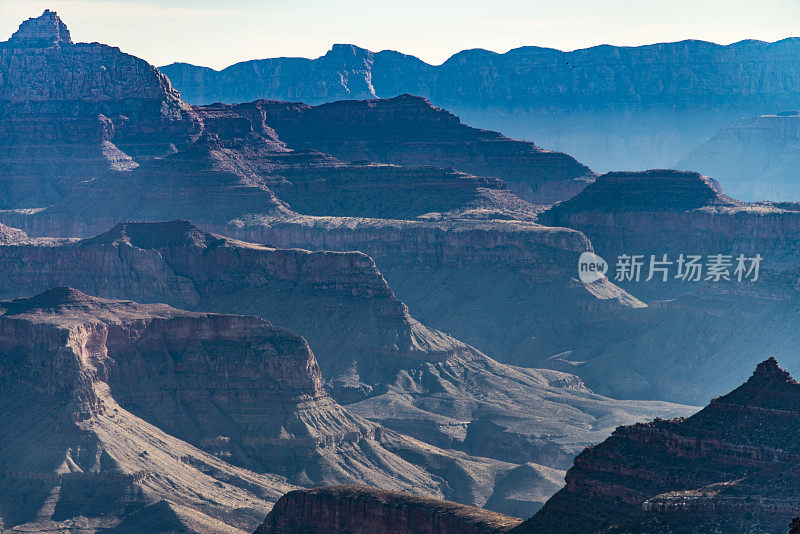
(730, 464)
(408, 130)
(135, 379)
(336, 509)
(611, 107)
(397, 372)
(78, 459)
(234, 176)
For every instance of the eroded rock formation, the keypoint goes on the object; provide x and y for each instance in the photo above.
(74, 111)
(408, 130)
(375, 357)
(337, 509)
(611, 107)
(732, 466)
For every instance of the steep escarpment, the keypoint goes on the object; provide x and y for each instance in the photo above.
(732, 463)
(611, 107)
(236, 387)
(408, 130)
(672, 212)
(75, 458)
(336, 509)
(116, 129)
(437, 267)
(73, 111)
(207, 379)
(376, 358)
(755, 158)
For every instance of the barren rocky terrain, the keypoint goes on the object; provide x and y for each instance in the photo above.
(372, 309)
(611, 107)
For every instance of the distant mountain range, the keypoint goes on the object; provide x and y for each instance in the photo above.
(759, 157)
(610, 107)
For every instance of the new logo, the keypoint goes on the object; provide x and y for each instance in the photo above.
(591, 267)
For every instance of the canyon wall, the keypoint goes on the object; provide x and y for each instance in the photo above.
(732, 460)
(408, 130)
(611, 107)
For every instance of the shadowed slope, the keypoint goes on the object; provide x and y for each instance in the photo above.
(336, 509)
(731, 465)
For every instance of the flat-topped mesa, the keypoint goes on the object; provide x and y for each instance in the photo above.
(335, 509)
(672, 212)
(409, 130)
(46, 30)
(732, 462)
(653, 190)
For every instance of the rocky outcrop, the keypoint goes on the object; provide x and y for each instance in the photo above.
(672, 212)
(375, 357)
(731, 464)
(77, 120)
(107, 395)
(71, 112)
(611, 107)
(76, 458)
(408, 130)
(336, 509)
(233, 385)
(236, 177)
(755, 158)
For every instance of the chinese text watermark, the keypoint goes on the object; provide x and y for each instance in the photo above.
(663, 267)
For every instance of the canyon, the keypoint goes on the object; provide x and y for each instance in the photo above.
(365, 315)
(375, 358)
(612, 107)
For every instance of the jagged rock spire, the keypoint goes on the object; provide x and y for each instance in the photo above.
(769, 371)
(43, 31)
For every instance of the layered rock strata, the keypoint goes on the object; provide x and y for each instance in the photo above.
(337, 509)
(375, 357)
(408, 130)
(611, 107)
(731, 465)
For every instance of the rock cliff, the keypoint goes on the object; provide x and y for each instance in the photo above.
(70, 112)
(408, 130)
(336, 509)
(673, 212)
(134, 384)
(77, 120)
(611, 107)
(78, 460)
(730, 465)
(234, 176)
(754, 158)
(375, 357)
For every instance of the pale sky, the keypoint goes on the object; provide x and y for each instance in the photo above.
(217, 34)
